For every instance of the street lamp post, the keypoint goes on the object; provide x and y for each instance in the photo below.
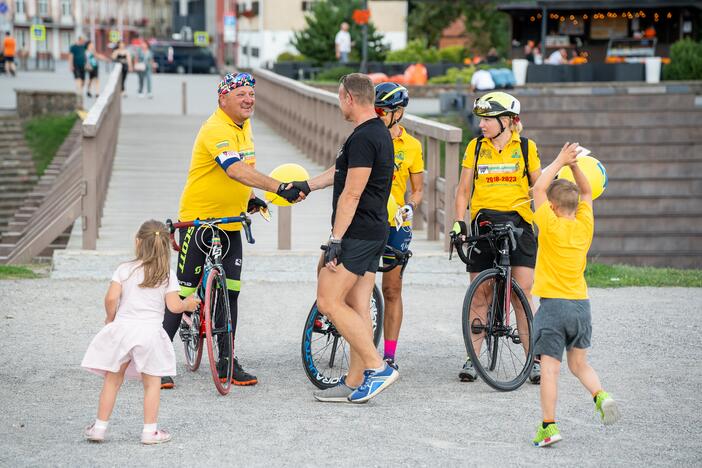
(364, 42)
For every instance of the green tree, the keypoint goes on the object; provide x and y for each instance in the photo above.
(316, 41)
(485, 26)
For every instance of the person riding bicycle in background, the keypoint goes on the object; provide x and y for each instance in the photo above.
(495, 179)
(391, 100)
(221, 175)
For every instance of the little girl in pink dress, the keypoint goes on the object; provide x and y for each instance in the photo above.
(133, 342)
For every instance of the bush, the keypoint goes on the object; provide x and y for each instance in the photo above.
(454, 75)
(290, 57)
(685, 61)
(452, 54)
(334, 74)
(416, 51)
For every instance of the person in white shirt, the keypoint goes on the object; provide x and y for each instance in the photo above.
(558, 57)
(342, 43)
(482, 81)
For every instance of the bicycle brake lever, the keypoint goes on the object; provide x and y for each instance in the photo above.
(512, 240)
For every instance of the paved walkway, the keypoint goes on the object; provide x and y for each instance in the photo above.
(645, 352)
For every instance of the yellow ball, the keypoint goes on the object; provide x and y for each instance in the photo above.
(593, 170)
(286, 173)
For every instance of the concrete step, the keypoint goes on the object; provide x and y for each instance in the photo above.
(16, 187)
(652, 186)
(620, 102)
(18, 178)
(646, 204)
(678, 259)
(603, 136)
(626, 151)
(686, 222)
(610, 118)
(641, 241)
(663, 168)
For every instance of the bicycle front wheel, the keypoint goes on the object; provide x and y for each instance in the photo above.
(191, 336)
(498, 341)
(219, 333)
(325, 353)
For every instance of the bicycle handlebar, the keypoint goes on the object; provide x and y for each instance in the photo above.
(243, 218)
(495, 233)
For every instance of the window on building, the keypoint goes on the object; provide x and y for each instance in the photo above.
(65, 7)
(43, 8)
(307, 6)
(20, 7)
(66, 41)
(245, 50)
(254, 51)
(22, 36)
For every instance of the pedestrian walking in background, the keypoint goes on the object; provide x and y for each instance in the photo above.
(76, 63)
(143, 65)
(8, 52)
(122, 55)
(92, 68)
(132, 343)
(342, 43)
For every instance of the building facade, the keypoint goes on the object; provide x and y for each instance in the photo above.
(266, 27)
(65, 20)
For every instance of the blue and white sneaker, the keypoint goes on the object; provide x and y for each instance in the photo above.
(374, 382)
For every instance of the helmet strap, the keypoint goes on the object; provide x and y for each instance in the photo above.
(393, 122)
(502, 127)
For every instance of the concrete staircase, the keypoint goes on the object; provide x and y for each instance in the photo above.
(17, 171)
(21, 191)
(651, 146)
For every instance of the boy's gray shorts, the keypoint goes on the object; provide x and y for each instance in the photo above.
(562, 324)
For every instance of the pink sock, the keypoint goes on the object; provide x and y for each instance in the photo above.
(389, 349)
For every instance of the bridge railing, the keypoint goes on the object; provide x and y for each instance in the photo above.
(310, 119)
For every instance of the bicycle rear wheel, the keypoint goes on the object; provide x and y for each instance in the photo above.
(219, 333)
(499, 342)
(190, 335)
(325, 353)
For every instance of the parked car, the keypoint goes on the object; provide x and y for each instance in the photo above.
(183, 57)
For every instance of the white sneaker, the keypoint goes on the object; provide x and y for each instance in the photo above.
(157, 437)
(141, 95)
(94, 434)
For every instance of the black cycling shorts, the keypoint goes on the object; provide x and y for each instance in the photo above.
(360, 256)
(524, 255)
(79, 72)
(194, 242)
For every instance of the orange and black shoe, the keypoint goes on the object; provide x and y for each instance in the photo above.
(167, 383)
(241, 377)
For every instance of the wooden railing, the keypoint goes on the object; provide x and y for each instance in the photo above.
(100, 132)
(310, 119)
(80, 187)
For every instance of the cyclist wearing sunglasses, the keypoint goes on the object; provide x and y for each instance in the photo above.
(391, 100)
(221, 175)
(498, 170)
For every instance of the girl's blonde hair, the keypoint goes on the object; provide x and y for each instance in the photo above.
(154, 253)
(515, 124)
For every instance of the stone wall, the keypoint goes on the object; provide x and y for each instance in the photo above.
(31, 103)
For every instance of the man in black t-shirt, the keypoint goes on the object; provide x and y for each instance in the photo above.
(362, 177)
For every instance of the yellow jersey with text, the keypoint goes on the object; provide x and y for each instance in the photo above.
(501, 184)
(562, 254)
(209, 192)
(408, 160)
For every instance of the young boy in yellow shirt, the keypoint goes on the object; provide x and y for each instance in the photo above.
(563, 320)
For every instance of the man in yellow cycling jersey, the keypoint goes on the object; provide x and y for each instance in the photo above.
(390, 102)
(221, 175)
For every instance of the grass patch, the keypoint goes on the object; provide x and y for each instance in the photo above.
(45, 135)
(16, 272)
(599, 275)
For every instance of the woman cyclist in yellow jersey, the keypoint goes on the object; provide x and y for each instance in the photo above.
(390, 102)
(498, 190)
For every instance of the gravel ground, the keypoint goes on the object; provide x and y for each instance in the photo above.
(646, 350)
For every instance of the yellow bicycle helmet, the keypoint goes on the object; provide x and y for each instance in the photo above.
(496, 104)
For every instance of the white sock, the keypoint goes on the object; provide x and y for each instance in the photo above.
(99, 424)
(150, 427)
(381, 368)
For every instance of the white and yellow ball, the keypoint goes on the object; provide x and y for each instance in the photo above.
(593, 170)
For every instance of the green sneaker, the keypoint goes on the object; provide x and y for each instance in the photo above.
(607, 407)
(549, 435)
